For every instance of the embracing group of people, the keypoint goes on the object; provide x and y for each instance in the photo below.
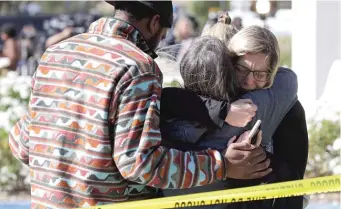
(101, 129)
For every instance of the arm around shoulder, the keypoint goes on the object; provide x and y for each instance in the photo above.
(138, 153)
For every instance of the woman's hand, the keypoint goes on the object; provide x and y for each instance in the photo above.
(241, 113)
(244, 160)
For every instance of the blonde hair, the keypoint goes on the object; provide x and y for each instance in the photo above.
(256, 39)
(222, 29)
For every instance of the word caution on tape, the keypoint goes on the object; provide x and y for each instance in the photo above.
(261, 192)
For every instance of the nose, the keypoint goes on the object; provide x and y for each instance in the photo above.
(249, 79)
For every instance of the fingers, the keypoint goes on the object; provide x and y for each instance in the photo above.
(260, 174)
(238, 159)
(255, 152)
(259, 138)
(243, 146)
(250, 113)
(261, 166)
(248, 104)
(253, 107)
(254, 161)
(244, 137)
(248, 101)
(232, 140)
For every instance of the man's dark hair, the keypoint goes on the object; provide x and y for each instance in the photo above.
(138, 10)
(206, 69)
(9, 30)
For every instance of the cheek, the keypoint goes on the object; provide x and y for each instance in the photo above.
(260, 85)
(240, 78)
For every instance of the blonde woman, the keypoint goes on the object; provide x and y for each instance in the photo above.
(250, 47)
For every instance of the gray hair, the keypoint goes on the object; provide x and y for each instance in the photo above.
(207, 69)
(256, 39)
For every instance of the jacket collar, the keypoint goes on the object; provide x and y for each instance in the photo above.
(116, 28)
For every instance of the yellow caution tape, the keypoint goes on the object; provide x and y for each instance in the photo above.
(261, 192)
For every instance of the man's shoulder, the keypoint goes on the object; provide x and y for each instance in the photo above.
(117, 51)
(136, 57)
(132, 56)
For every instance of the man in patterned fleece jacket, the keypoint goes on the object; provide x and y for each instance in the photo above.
(91, 134)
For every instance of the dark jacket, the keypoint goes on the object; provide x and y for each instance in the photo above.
(291, 148)
(206, 118)
(286, 167)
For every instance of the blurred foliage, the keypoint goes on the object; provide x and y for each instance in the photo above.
(11, 178)
(322, 156)
(13, 99)
(285, 50)
(173, 83)
(47, 7)
(58, 7)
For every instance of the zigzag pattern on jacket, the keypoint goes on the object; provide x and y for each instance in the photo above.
(91, 133)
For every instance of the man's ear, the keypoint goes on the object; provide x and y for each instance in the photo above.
(154, 24)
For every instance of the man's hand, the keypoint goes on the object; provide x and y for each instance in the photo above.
(241, 113)
(246, 161)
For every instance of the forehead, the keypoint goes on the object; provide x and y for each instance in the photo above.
(256, 61)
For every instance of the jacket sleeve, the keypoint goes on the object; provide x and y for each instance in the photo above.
(217, 110)
(19, 135)
(292, 135)
(274, 103)
(19, 139)
(137, 149)
(186, 104)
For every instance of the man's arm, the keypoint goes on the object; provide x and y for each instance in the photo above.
(137, 149)
(19, 136)
(19, 139)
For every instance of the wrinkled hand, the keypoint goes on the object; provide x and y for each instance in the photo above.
(241, 113)
(246, 161)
